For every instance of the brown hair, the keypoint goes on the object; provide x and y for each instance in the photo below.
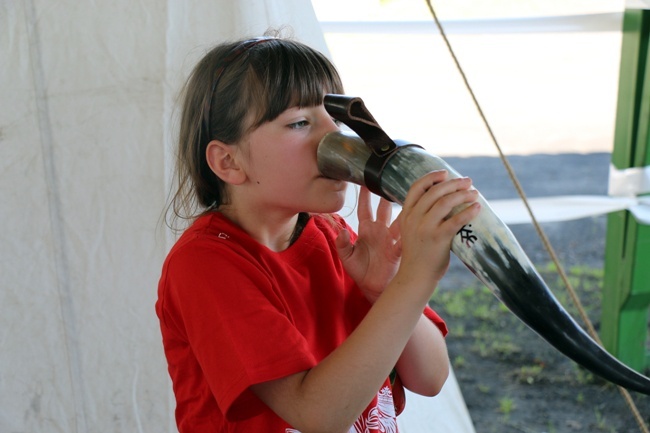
(232, 90)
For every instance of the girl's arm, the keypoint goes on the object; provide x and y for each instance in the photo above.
(372, 262)
(423, 366)
(331, 396)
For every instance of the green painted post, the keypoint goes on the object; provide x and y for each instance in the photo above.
(626, 286)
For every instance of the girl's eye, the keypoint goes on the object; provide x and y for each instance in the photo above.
(298, 125)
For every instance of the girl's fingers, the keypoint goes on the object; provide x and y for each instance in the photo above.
(443, 196)
(465, 216)
(446, 205)
(422, 185)
(448, 202)
(394, 228)
(384, 211)
(364, 210)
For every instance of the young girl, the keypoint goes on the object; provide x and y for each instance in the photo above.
(275, 315)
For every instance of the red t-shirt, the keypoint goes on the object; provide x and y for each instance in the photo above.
(233, 313)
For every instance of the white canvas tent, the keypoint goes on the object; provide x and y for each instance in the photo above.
(86, 121)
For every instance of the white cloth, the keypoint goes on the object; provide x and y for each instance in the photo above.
(568, 207)
(87, 92)
(445, 412)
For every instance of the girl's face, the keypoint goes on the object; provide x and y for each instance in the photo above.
(280, 160)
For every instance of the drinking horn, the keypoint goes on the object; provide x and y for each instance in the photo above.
(485, 245)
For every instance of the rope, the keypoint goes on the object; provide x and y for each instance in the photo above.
(590, 328)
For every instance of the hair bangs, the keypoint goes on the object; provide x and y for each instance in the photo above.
(291, 75)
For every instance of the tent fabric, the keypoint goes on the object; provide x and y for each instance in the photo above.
(88, 91)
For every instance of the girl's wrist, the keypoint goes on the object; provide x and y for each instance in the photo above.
(408, 287)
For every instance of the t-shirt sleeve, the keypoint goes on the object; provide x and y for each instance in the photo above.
(437, 320)
(236, 324)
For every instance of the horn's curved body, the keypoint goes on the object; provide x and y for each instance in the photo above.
(489, 249)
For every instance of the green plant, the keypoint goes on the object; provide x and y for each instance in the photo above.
(583, 376)
(504, 348)
(506, 406)
(601, 423)
(530, 373)
(483, 312)
(454, 302)
(459, 362)
(457, 329)
(481, 348)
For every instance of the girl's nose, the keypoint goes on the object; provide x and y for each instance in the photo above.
(333, 125)
(329, 123)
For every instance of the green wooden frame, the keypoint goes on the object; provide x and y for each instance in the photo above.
(626, 286)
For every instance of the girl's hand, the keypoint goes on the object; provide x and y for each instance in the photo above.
(374, 258)
(427, 227)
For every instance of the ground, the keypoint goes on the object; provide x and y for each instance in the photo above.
(514, 381)
(511, 379)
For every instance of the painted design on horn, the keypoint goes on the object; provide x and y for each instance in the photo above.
(486, 246)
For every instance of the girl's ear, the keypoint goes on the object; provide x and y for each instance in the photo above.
(222, 160)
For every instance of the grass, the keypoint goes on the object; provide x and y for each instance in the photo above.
(506, 406)
(530, 373)
(488, 330)
(479, 303)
